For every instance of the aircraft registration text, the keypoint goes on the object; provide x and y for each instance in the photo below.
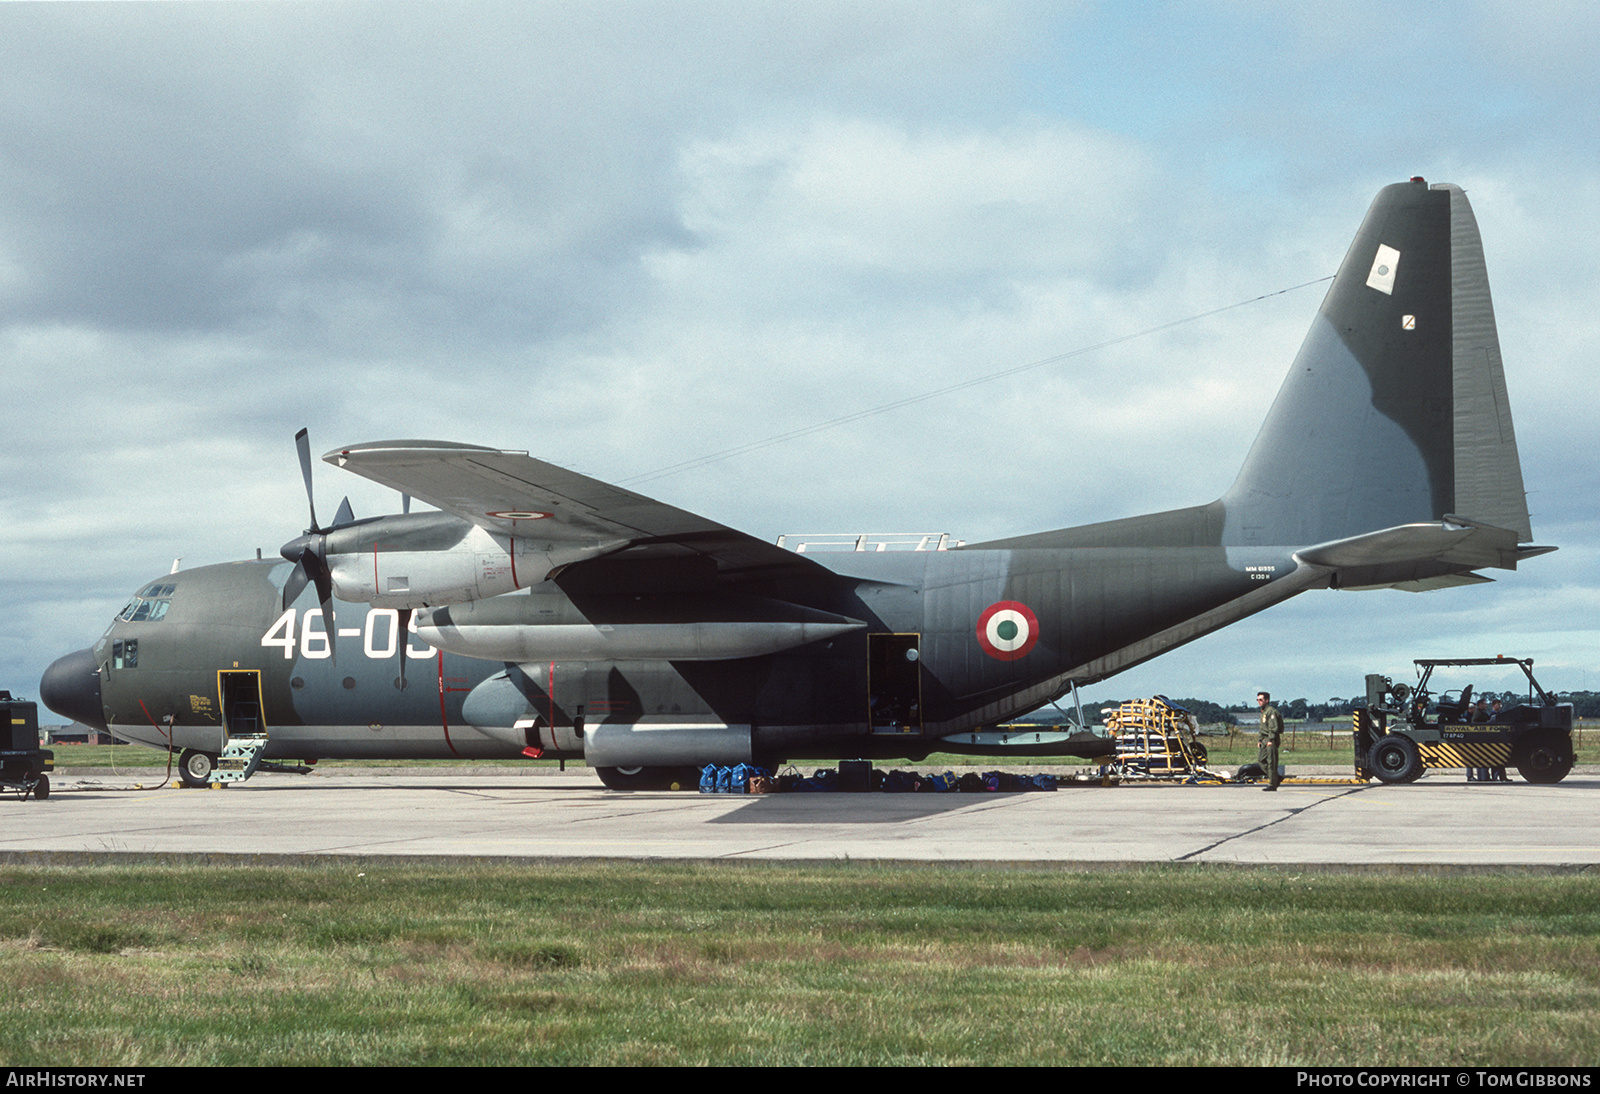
(380, 637)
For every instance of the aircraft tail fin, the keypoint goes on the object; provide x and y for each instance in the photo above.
(1395, 410)
(1388, 459)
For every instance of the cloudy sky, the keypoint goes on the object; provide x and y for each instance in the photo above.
(624, 236)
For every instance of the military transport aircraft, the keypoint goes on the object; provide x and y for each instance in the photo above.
(543, 612)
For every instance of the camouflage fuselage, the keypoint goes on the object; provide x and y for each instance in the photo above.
(318, 701)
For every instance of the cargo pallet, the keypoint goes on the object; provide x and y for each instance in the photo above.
(1156, 739)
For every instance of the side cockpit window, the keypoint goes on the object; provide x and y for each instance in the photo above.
(125, 653)
(150, 606)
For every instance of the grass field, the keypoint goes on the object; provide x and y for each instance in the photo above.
(373, 962)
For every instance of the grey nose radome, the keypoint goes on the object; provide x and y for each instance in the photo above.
(71, 688)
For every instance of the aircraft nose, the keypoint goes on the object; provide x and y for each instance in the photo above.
(71, 688)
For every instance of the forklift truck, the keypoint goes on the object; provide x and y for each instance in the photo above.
(1397, 738)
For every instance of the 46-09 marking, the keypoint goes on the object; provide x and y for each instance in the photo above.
(313, 635)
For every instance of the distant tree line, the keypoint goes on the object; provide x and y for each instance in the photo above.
(1585, 704)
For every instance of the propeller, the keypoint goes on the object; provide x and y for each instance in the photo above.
(309, 552)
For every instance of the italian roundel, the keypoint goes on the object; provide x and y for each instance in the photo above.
(1007, 630)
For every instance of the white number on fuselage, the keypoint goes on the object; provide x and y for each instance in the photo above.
(313, 636)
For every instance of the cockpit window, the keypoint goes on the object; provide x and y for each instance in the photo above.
(150, 606)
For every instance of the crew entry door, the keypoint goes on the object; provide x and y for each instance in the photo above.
(894, 683)
(240, 693)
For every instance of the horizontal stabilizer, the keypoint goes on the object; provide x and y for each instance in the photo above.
(1407, 543)
(1416, 557)
(1463, 543)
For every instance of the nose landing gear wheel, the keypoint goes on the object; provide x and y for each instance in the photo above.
(195, 768)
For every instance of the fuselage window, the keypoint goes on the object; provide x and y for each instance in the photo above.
(125, 653)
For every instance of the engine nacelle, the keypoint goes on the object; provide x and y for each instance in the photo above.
(428, 559)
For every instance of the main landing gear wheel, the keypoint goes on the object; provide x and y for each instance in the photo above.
(195, 768)
(1545, 756)
(649, 778)
(1395, 759)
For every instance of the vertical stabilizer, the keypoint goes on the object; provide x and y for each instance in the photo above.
(1395, 409)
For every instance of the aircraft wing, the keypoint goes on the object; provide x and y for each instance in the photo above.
(514, 494)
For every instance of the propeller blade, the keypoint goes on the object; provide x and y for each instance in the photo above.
(302, 442)
(294, 586)
(404, 643)
(326, 598)
(313, 560)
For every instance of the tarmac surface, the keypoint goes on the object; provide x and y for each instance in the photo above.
(538, 813)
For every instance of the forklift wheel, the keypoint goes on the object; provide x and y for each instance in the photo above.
(1545, 756)
(1395, 759)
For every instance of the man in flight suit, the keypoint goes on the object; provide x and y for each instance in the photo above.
(1271, 735)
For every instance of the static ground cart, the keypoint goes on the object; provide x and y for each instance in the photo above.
(24, 766)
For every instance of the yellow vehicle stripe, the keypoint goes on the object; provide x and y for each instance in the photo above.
(1456, 754)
